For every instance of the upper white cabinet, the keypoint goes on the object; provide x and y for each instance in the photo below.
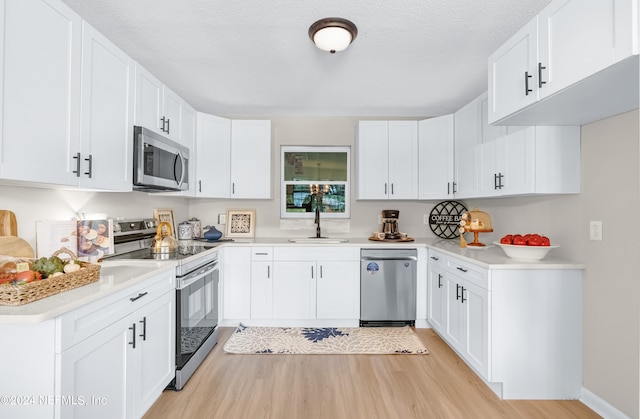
(158, 108)
(467, 138)
(435, 158)
(572, 64)
(40, 90)
(519, 160)
(213, 151)
(251, 159)
(387, 160)
(68, 94)
(233, 158)
(107, 114)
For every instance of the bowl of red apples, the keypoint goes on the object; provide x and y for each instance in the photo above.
(526, 246)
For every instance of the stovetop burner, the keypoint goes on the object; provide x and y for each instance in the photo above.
(181, 253)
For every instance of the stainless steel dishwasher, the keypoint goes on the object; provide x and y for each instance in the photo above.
(388, 287)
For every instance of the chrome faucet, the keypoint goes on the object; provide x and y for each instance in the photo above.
(317, 222)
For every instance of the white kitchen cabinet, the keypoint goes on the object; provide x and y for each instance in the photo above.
(436, 174)
(437, 292)
(213, 156)
(261, 283)
(387, 160)
(251, 159)
(294, 289)
(316, 283)
(118, 354)
(236, 283)
(572, 64)
(100, 367)
(468, 140)
(158, 108)
(105, 157)
(233, 158)
(578, 38)
(531, 160)
(486, 307)
(155, 360)
(40, 90)
(513, 73)
(338, 290)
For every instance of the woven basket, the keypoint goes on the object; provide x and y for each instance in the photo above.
(18, 294)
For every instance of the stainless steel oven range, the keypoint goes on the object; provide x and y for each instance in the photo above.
(196, 292)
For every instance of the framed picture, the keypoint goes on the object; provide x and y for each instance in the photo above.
(241, 223)
(165, 215)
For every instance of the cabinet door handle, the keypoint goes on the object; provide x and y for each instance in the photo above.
(200, 185)
(168, 126)
(320, 271)
(392, 189)
(268, 271)
(540, 82)
(458, 292)
(461, 269)
(527, 76)
(454, 187)
(233, 188)
(133, 336)
(140, 295)
(385, 188)
(435, 258)
(463, 299)
(77, 171)
(500, 185)
(164, 121)
(311, 272)
(144, 328)
(448, 188)
(495, 181)
(90, 161)
(439, 281)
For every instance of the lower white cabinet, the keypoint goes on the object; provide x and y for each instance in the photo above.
(518, 328)
(120, 370)
(110, 358)
(294, 289)
(291, 285)
(236, 283)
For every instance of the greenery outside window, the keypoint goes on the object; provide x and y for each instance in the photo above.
(315, 177)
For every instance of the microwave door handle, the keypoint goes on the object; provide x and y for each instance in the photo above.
(183, 172)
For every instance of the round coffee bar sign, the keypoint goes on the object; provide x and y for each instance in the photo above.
(445, 217)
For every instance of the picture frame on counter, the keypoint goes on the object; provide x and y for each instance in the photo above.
(166, 215)
(241, 223)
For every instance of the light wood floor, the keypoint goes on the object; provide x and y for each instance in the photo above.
(438, 385)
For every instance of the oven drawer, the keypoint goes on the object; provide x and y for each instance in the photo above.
(87, 320)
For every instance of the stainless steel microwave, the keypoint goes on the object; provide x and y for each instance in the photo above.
(159, 164)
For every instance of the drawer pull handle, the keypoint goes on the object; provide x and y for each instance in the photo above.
(144, 328)
(435, 258)
(262, 253)
(140, 295)
(461, 269)
(133, 335)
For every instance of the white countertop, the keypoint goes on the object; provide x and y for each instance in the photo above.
(114, 276)
(119, 274)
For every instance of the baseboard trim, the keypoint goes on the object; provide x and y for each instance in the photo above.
(601, 407)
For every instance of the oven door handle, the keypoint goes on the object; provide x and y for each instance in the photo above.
(182, 283)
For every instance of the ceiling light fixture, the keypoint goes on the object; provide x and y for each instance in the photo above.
(333, 34)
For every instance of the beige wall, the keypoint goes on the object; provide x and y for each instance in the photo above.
(610, 193)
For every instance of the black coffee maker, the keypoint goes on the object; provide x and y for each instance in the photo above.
(390, 224)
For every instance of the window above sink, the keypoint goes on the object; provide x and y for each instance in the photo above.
(309, 169)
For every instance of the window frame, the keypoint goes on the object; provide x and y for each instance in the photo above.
(283, 184)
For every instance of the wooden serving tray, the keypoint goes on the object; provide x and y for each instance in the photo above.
(407, 239)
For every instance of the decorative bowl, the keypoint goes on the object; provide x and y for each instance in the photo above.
(526, 252)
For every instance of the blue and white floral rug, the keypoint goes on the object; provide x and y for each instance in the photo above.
(326, 340)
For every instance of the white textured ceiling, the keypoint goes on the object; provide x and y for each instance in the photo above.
(254, 57)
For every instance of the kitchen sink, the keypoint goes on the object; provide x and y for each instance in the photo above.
(318, 240)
